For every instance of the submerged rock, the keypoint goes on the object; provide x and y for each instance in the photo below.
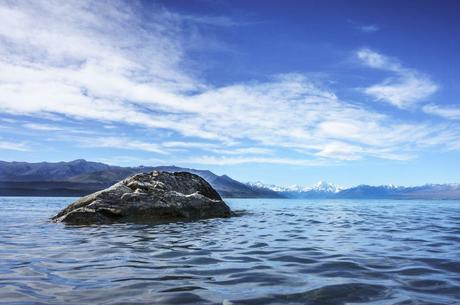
(154, 196)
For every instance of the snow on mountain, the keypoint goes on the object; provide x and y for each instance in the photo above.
(323, 186)
(262, 185)
(320, 187)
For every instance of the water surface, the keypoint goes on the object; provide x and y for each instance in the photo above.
(274, 252)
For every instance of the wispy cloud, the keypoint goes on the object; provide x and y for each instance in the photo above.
(4, 145)
(210, 20)
(187, 145)
(370, 28)
(448, 112)
(243, 151)
(407, 88)
(222, 160)
(101, 62)
(403, 92)
(42, 127)
(9, 120)
(122, 143)
(131, 161)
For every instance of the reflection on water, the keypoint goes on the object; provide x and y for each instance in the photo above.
(274, 252)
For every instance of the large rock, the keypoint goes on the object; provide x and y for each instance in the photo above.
(155, 196)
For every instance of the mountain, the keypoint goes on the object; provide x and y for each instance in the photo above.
(226, 186)
(428, 191)
(81, 177)
(46, 171)
(327, 190)
(434, 191)
(320, 190)
(369, 191)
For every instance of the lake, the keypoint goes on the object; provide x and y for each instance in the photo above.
(276, 251)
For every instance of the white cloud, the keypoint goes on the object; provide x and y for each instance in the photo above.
(243, 151)
(403, 92)
(122, 143)
(42, 127)
(217, 148)
(448, 112)
(9, 120)
(131, 161)
(407, 88)
(378, 61)
(222, 160)
(341, 151)
(181, 144)
(348, 152)
(101, 61)
(5, 145)
(370, 28)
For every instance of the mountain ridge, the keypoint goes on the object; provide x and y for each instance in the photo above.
(80, 177)
(364, 191)
(321, 186)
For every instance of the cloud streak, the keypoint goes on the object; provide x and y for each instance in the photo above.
(222, 160)
(5, 145)
(101, 62)
(448, 112)
(370, 28)
(407, 88)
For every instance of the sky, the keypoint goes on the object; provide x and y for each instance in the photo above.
(283, 92)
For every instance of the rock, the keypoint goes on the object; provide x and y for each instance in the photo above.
(154, 196)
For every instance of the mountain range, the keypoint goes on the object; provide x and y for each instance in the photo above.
(320, 190)
(326, 190)
(81, 177)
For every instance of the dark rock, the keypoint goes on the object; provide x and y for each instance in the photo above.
(154, 196)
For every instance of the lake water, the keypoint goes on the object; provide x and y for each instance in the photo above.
(274, 252)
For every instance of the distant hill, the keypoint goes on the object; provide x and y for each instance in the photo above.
(428, 191)
(47, 171)
(326, 190)
(81, 177)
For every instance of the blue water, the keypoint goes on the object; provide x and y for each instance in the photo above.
(274, 252)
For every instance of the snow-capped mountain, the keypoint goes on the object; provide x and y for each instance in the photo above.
(389, 191)
(320, 189)
(323, 186)
(262, 185)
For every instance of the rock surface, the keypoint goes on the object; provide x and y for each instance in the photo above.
(154, 196)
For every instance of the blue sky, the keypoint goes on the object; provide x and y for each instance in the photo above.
(278, 91)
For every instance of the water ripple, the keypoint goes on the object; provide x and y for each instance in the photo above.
(273, 252)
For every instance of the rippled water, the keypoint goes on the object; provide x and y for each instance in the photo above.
(274, 252)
